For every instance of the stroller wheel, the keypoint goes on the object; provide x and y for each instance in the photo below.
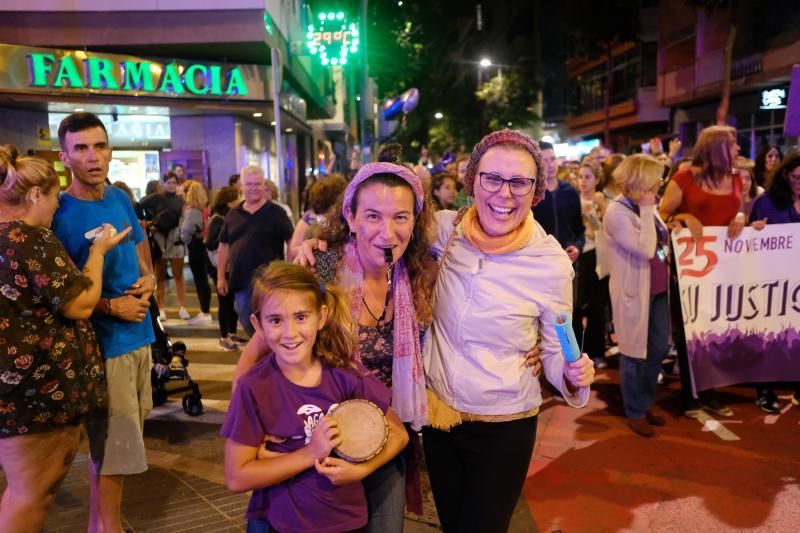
(192, 405)
(160, 395)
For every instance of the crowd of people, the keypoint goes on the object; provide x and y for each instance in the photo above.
(434, 295)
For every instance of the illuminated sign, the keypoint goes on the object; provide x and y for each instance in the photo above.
(100, 73)
(333, 39)
(50, 71)
(773, 99)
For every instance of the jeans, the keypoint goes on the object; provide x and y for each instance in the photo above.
(242, 304)
(386, 497)
(639, 377)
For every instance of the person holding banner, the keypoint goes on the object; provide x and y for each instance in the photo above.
(779, 205)
(707, 193)
(638, 251)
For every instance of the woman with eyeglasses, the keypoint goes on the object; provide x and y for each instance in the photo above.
(500, 283)
(779, 205)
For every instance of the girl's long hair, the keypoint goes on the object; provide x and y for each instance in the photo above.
(336, 342)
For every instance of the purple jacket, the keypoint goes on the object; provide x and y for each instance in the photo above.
(764, 207)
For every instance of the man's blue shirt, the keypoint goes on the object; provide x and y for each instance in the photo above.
(121, 268)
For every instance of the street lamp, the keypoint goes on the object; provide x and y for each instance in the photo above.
(486, 62)
(438, 116)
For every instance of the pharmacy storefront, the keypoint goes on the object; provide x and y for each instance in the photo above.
(210, 117)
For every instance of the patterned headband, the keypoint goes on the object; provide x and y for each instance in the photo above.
(370, 169)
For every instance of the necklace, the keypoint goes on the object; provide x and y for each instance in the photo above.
(381, 318)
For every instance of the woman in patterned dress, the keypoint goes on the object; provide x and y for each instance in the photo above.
(51, 369)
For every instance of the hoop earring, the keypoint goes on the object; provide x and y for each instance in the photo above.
(412, 235)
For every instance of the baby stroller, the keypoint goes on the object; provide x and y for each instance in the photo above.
(170, 365)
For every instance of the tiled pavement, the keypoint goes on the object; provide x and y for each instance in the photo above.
(588, 473)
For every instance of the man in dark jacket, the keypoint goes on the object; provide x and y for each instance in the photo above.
(559, 212)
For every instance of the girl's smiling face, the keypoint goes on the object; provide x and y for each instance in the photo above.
(289, 322)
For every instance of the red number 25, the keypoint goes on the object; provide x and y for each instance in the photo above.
(700, 251)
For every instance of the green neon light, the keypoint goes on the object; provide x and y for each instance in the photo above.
(137, 76)
(67, 71)
(190, 79)
(333, 39)
(236, 83)
(40, 66)
(103, 74)
(99, 74)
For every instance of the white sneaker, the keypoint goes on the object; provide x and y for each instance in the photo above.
(162, 315)
(200, 320)
(183, 314)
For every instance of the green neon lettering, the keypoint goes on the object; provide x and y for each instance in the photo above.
(215, 73)
(137, 76)
(189, 79)
(99, 74)
(236, 83)
(171, 77)
(39, 68)
(67, 70)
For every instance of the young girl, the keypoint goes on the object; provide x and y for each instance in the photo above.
(592, 291)
(297, 486)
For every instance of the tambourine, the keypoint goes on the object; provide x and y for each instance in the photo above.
(362, 428)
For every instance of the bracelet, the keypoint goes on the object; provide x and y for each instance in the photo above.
(155, 280)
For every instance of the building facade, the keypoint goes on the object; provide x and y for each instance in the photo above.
(174, 82)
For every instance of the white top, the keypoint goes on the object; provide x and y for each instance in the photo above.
(489, 310)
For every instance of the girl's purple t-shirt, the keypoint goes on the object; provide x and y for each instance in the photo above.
(265, 402)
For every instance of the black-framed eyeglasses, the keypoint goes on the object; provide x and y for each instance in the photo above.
(519, 186)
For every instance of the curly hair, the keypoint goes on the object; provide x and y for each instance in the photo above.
(512, 139)
(324, 192)
(195, 194)
(779, 189)
(417, 255)
(223, 197)
(18, 175)
(337, 340)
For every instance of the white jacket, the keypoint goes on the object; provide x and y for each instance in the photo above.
(489, 310)
(630, 246)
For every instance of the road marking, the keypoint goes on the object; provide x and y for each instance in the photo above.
(213, 412)
(715, 427)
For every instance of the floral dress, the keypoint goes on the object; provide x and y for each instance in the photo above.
(51, 369)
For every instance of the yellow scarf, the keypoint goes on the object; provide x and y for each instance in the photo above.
(504, 244)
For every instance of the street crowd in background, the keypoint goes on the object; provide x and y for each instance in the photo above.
(406, 276)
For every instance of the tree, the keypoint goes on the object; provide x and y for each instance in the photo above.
(509, 100)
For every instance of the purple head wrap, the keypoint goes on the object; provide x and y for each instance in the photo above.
(370, 169)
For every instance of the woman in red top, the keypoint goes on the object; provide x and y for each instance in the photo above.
(707, 193)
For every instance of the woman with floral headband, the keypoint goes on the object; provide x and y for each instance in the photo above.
(378, 253)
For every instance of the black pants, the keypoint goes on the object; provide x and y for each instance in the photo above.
(477, 470)
(198, 263)
(592, 301)
(227, 317)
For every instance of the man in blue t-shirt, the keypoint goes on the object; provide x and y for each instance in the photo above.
(121, 318)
